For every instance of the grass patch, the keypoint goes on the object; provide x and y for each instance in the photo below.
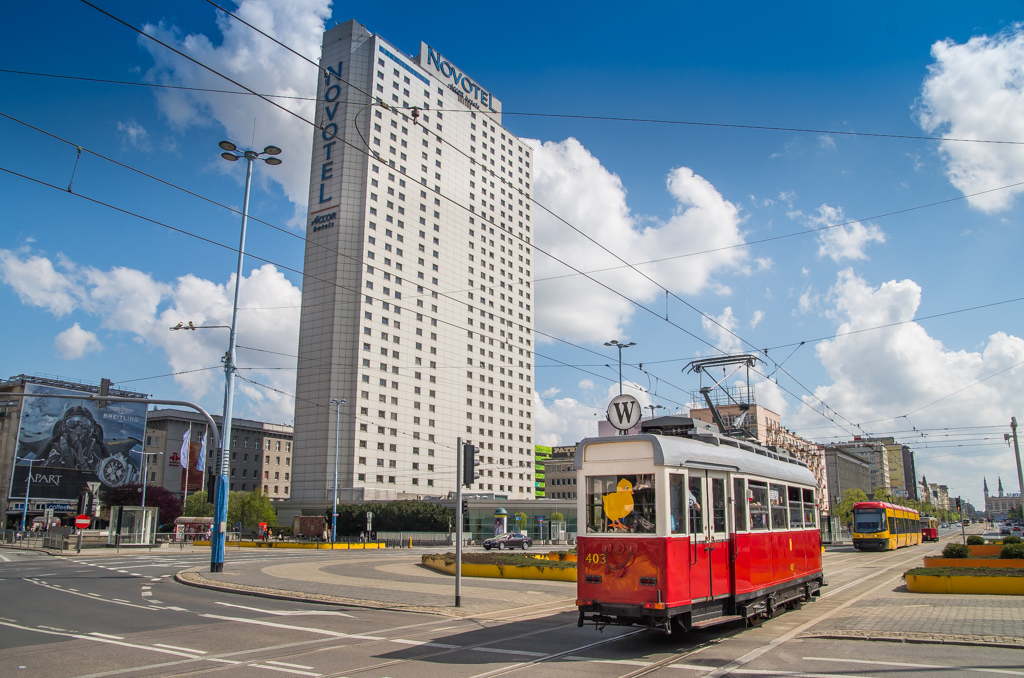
(501, 559)
(965, 572)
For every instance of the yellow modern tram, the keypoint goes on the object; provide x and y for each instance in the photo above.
(884, 526)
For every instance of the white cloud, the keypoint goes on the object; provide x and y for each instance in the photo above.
(975, 90)
(840, 242)
(38, 283)
(880, 375)
(756, 319)
(574, 185)
(722, 330)
(566, 421)
(251, 59)
(135, 135)
(826, 142)
(130, 302)
(74, 342)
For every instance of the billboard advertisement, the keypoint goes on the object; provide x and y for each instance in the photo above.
(66, 443)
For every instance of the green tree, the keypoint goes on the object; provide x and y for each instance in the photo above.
(394, 516)
(250, 509)
(557, 516)
(196, 506)
(845, 508)
(882, 494)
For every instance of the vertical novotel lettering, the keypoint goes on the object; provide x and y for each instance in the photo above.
(329, 127)
(462, 84)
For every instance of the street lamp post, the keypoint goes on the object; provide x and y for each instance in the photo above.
(619, 345)
(337, 402)
(220, 494)
(652, 408)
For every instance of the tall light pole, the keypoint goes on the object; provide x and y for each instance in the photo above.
(220, 494)
(1016, 452)
(337, 402)
(619, 345)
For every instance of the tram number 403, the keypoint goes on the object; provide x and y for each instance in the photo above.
(596, 558)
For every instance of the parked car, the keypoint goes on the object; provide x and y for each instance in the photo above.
(1004, 528)
(509, 540)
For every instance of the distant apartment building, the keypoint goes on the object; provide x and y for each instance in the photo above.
(766, 427)
(261, 454)
(910, 473)
(877, 456)
(846, 471)
(560, 473)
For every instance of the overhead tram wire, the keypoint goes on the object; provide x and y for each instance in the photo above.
(710, 318)
(109, 81)
(196, 62)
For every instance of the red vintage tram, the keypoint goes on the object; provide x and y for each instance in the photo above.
(685, 528)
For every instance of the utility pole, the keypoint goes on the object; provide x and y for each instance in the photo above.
(1016, 452)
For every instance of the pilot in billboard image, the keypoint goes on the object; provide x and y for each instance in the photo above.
(69, 442)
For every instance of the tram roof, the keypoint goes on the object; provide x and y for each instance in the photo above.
(883, 504)
(705, 451)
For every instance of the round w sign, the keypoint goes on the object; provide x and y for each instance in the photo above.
(624, 412)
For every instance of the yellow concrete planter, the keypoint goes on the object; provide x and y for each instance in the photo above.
(503, 571)
(985, 549)
(562, 556)
(974, 562)
(1007, 586)
(292, 545)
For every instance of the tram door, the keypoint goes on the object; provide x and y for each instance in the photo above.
(710, 562)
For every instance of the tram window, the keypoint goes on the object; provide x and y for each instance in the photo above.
(796, 509)
(718, 503)
(695, 500)
(892, 524)
(758, 505)
(739, 511)
(810, 514)
(677, 501)
(777, 497)
(868, 520)
(620, 503)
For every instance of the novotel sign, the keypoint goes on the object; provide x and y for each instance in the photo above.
(470, 93)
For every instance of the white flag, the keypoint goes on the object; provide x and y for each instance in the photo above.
(201, 461)
(184, 447)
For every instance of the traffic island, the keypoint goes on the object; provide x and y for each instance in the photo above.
(258, 544)
(979, 580)
(502, 566)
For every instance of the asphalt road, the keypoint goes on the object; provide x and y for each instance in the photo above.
(108, 615)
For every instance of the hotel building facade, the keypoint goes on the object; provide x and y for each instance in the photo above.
(417, 303)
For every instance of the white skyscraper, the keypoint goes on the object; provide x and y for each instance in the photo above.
(417, 305)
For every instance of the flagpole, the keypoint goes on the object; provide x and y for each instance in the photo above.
(187, 449)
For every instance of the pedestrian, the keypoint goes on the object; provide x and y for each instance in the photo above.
(323, 536)
(362, 537)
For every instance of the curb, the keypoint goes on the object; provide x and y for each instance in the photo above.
(193, 578)
(919, 638)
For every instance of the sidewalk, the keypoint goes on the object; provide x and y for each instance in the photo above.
(393, 581)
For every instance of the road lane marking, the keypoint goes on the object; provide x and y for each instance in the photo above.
(936, 667)
(284, 670)
(288, 613)
(179, 648)
(100, 639)
(105, 635)
(292, 627)
(292, 666)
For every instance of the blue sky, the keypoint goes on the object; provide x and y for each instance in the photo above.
(88, 291)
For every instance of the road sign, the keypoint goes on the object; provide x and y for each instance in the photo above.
(624, 412)
(93, 486)
(82, 521)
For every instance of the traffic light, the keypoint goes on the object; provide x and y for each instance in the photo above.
(469, 464)
(465, 506)
(83, 503)
(958, 503)
(211, 482)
